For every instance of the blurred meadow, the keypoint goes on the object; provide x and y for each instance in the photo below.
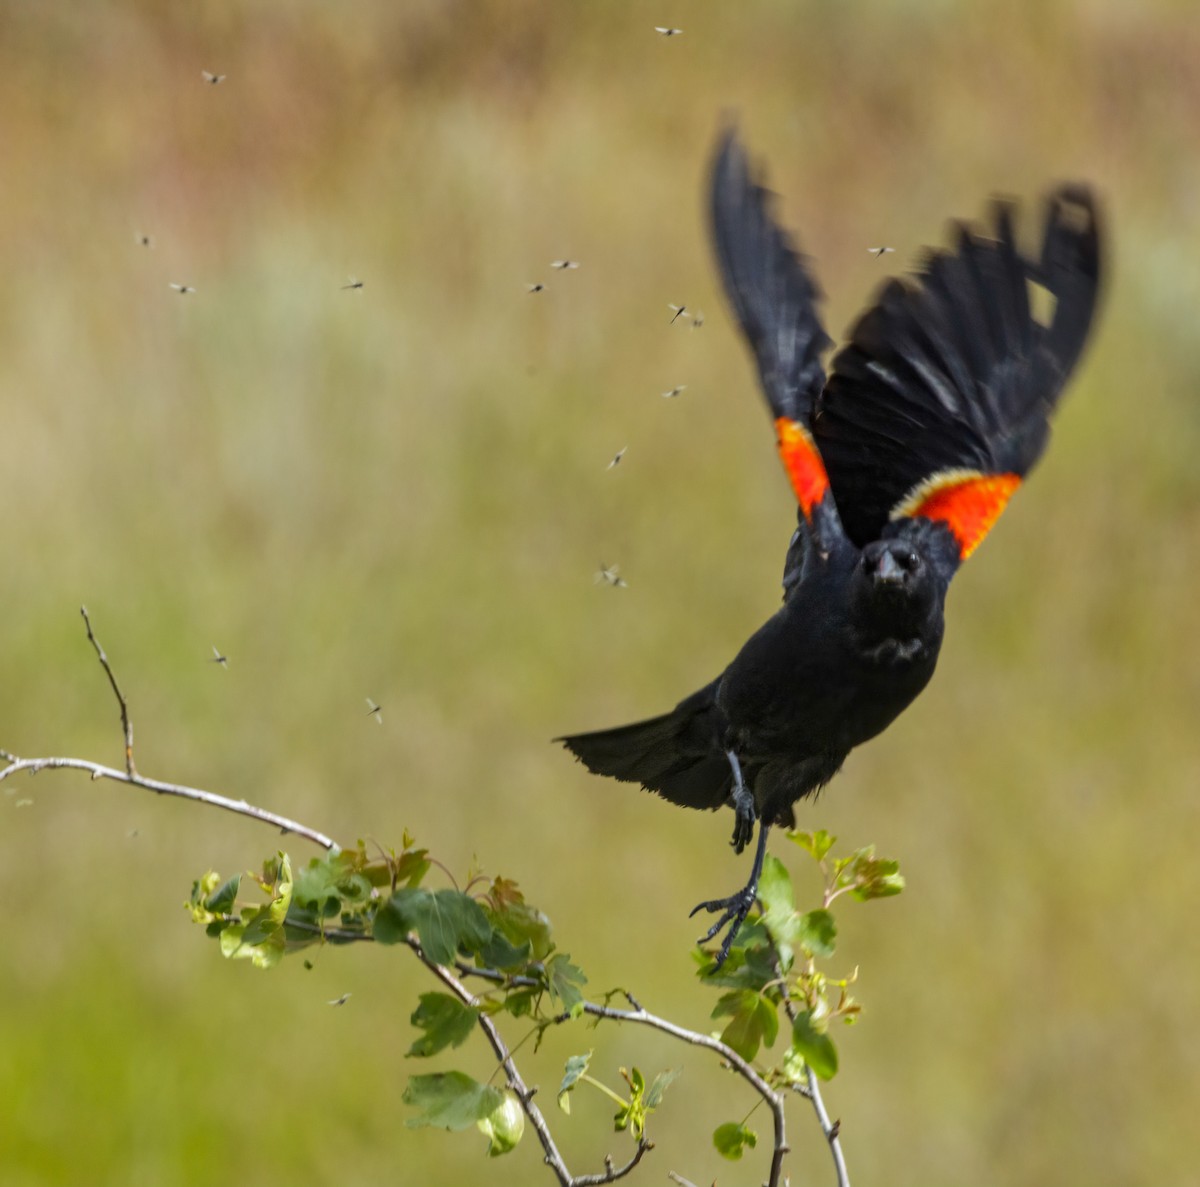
(400, 492)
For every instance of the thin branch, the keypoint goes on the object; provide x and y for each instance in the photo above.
(240, 807)
(830, 1129)
(523, 1093)
(774, 1100)
(126, 724)
(680, 1179)
(612, 1173)
(336, 935)
(130, 774)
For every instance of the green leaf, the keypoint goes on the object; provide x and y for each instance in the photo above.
(444, 920)
(445, 1021)
(221, 901)
(751, 963)
(522, 924)
(412, 867)
(815, 1046)
(519, 1002)
(779, 907)
(576, 1066)
(203, 889)
(328, 882)
(792, 1067)
(818, 843)
(564, 981)
(816, 932)
(450, 1100)
(754, 1021)
(504, 1126)
(875, 877)
(659, 1085)
(732, 1139)
(632, 1115)
(500, 953)
(259, 937)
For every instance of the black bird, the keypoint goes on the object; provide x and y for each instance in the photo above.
(901, 460)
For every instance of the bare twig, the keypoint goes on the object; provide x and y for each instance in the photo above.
(680, 1179)
(241, 807)
(126, 724)
(612, 1173)
(830, 1129)
(130, 774)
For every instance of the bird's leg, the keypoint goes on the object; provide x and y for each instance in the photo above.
(743, 806)
(736, 907)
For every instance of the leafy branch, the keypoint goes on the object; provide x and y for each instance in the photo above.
(488, 933)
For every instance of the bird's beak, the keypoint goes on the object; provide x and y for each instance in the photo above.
(888, 571)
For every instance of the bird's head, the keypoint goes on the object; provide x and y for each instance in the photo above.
(896, 591)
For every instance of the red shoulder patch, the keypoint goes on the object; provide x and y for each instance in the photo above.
(968, 502)
(802, 461)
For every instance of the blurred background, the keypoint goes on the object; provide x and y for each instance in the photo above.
(400, 492)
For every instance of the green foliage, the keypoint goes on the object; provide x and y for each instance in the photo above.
(633, 1110)
(753, 1020)
(446, 922)
(450, 1100)
(775, 957)
(577, 1065)
(565, 982)
(810, 1040)
(489, 930)
(256, 932)
(817, 932)
(642, 1101)
(446, 1021)
(733, 1138)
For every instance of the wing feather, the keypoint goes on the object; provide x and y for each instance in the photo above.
(948, 382)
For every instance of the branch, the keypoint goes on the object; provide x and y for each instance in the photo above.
(99, 771)
(126, 724)
(524, 1094)
(774, 1100)
(830, 1129)
(639, 1015)
(130, 774)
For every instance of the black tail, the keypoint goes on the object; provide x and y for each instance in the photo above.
(678, 755)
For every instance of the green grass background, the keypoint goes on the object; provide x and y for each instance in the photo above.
(401, 493)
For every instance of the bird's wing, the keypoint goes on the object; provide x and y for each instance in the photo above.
(770, 288)
(941, 403)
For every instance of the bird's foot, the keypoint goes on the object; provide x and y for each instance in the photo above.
(736, 907)
(734, 910)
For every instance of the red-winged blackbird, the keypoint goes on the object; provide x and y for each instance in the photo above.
(901, 461)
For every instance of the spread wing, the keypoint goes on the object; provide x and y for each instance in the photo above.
(940, 404)
(774, 296)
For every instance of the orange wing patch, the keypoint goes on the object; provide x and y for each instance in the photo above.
(803, 463)
(968, 502)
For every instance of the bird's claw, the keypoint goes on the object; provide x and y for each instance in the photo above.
(734, 910)
(743, 824)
